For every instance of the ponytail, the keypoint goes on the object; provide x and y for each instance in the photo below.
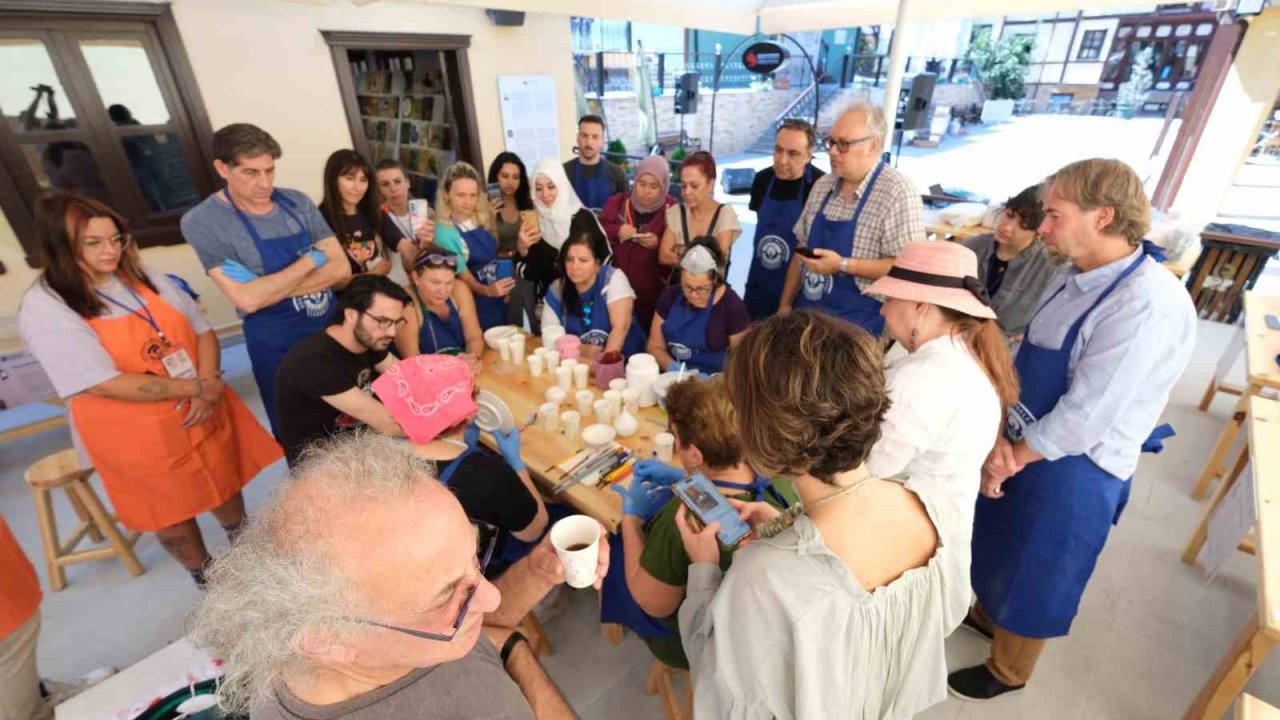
(988, 346)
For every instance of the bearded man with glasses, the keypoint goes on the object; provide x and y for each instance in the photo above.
(853, 225)
(359, 592)
(322, 386)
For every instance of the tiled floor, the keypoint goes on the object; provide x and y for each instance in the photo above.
(1148, 635)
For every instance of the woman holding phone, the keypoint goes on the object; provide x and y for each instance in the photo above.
(350, 206)
(442, 320)
(516, 223)
(852, 593)
(635, 222)
(464, 226)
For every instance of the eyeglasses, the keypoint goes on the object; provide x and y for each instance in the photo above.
(486, 541)
(119, 240)
(384, 323)
(699, 291)
(844, 145)
(435, 260)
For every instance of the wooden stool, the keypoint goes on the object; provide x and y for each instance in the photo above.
(532, 630)
(660, 684)
(62, 470)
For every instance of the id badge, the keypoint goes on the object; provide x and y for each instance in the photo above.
(179, 366)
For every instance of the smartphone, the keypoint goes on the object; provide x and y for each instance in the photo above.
(504, 268)
(807, 252)
(1273, 322)
(704, 499)
(495, 192)
(419, 211)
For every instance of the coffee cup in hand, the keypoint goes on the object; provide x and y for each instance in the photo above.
(576, 540)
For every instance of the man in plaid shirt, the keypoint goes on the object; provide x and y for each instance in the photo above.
(855, 221)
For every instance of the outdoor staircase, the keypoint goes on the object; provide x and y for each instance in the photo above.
(833, 98)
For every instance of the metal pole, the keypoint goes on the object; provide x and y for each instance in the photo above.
(844, 70)
(899, 47)
(600, 74)
(662, 73)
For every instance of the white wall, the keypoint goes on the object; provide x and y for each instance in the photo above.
(265, 62)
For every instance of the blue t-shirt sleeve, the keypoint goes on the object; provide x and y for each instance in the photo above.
(448, 238)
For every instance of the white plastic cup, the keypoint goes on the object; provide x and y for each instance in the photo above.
(517, 347)
(564, 378)
(631, 399)
(615, 402)
(504, 350)
(618, 384)
(535, 364)
(549, 416)
(604, 411)
(584, 398)
(555, 394)
(663, 446)
(553, 359)
(576, 540)
(549, 335)
(568, 362)
(580, 375)
(572, 422)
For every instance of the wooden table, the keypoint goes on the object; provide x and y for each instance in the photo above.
(1262, 345)
(1262, 630)
(542, 450)
(1251, 708)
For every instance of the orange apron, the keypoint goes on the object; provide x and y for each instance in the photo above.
(156, 472)
(19, 588)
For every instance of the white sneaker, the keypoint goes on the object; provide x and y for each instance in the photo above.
(60, 692)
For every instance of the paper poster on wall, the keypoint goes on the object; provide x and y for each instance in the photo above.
(529, 116)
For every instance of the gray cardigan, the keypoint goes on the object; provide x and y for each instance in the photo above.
(1025, 281)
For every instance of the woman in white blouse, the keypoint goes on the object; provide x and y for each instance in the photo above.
(698, 213)
(949, 392)
(850, 605)
(591, 298)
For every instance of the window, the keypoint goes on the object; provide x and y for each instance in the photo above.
(1091, 45)
(100, 102)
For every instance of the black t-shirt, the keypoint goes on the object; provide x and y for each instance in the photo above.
(995, 274)
(490, 491)
(360, 227)
(782, 189)
(316, 367)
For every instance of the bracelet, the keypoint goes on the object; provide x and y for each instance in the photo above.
(844, 265)
(515, 637)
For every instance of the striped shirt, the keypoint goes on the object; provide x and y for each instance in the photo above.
(893, 216)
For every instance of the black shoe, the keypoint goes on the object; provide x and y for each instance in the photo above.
(978, 684)
(972, 626)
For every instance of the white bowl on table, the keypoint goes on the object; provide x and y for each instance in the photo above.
(598, 435)
(497, 334)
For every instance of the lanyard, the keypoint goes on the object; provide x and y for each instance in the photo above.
(143, 311)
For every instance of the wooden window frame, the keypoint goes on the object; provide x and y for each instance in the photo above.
(190, 123)
(460, 88)
(1095, 49)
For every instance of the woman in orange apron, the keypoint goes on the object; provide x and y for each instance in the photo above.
(140, 366)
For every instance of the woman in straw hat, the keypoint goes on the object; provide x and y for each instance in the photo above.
(948, 393)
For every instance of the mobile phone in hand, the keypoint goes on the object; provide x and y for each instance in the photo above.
(706, 502)
(504, 268)
(807, 252)
(495, 192)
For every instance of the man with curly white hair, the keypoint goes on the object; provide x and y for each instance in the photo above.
(359, 593)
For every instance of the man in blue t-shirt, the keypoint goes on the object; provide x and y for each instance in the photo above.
(267, 249)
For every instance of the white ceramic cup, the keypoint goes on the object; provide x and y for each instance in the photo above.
(535, 364)
(552, 357)
(549, 336)
(631, 399)
(583, 533)
(569, 363)
(615, 402)
(572, 422)
(549, 416)
(663, 446)
(580, 375)
(618, 384)
(604, 410)
(564, 378)
(555, 394)
(517, 347)
(584, 398)
(504, 350)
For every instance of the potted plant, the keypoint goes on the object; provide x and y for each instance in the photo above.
(1132, 93)
(1002, 68)
(616, 152)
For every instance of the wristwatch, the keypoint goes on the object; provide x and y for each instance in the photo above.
(844, 265)
(515, 637)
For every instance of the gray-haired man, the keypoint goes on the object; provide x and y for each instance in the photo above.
(358, 593)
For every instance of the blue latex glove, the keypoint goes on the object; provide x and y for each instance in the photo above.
(674, 366)
(237, 272)
(472, 436)
(318, 257)
(657, 472)
(643, 498)
(509, 446)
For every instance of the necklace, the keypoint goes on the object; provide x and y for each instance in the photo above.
(789, 515)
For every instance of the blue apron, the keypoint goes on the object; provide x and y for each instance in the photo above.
(594, 192)
(482, 261)
(617, 605)
(775, 239)
(271, 331)
(443, 337)
(596, 332)
(685, 330)
(1035, 548)
(838, 294)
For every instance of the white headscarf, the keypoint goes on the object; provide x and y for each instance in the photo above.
(554, 221)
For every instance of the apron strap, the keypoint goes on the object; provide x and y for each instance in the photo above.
(446, 474)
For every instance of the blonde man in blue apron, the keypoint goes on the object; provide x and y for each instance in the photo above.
(268, 250)
(1101, 354)
(853, 224)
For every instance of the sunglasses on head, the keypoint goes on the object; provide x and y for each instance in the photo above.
(435, 260)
